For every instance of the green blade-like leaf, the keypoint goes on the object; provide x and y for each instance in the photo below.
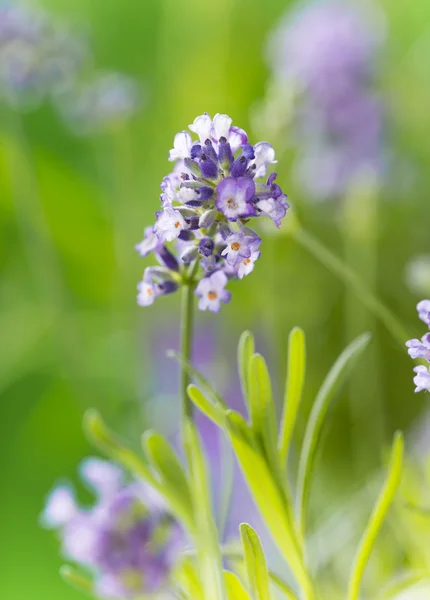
(199, 378)
(405, 583)
(78, 581)
(235, 588)
(108, 443)
(255, 561)
(263, 412)
(296, 368)
(186, 577)
(245, 351)
(330, 386)
(207, 405)
(164, 460)
(271, 505)
(377, 517)
(206, 535)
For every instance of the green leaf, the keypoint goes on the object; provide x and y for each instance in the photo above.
(206, 535)
(330, 386)
(377, 517)
(403, 584)
(293, 390)
(199, 378)
(78, 581)
(263, 412)
(245, 351)
(209, 407)
(108, 443)
(186, 577)
(271, 505)
(164, 460)
(255, 562)
(235, 588)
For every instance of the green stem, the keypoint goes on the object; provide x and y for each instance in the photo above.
(354, 282)
(186, 346)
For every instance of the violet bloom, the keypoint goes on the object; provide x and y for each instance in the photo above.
(207, 201)
(420, 349)
(325, 53)
(127, 539)
(212, 291)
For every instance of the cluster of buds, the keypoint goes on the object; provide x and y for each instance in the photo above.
(420, 349)
(41, 59)
(127, 539)
(217, 185)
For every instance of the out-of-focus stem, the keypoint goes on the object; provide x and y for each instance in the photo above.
(186, 345)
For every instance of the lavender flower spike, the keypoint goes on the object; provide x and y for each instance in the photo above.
(127, 538)
(420, 349)
(207, 201)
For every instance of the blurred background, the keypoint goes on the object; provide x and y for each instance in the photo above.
(91, 96)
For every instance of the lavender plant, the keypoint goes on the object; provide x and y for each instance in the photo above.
(131, 544)
(420, 349)
(43, 59)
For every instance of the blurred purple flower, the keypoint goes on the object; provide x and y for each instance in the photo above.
(326, 51)
(420, 349)
(127, 538)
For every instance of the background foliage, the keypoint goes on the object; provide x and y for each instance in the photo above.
(71, 210)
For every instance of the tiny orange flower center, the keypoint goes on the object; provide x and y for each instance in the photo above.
(177, 224)
(246, 261)
(149, 291)
(212, 295)
(235, 246)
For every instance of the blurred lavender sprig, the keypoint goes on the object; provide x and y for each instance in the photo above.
(420, 349)
(323, 58)
(43, 59)
(127, 539)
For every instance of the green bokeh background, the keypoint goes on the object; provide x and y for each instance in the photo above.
(71, 210)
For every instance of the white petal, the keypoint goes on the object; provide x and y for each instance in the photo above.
(202, 126)
(181, 146)
(103, 476)
(222, 124)
(219, 280)
(264, 155)
(60, 507)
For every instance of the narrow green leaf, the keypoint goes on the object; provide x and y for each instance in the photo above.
(208, 406)
(255, 561)
(206, 535)
(404, 583)
(263, 412)
(108, 443)
(296, 368)
(78, 581)
(330, 386)
(271, 505)
(377, 517)
(164, 460)
(235, 588)
(199, 378)
(245, 351)
(186, 577)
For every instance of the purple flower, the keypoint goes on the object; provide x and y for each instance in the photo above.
(419, 348)
(423, 309)
(234, 196)
(212, 293)
(422, 379)
(207, 200)
(325, 53)
(127, 538)
(150, 242)
(240, 246)
(246, 265)
(169, 224)
(147, 289)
